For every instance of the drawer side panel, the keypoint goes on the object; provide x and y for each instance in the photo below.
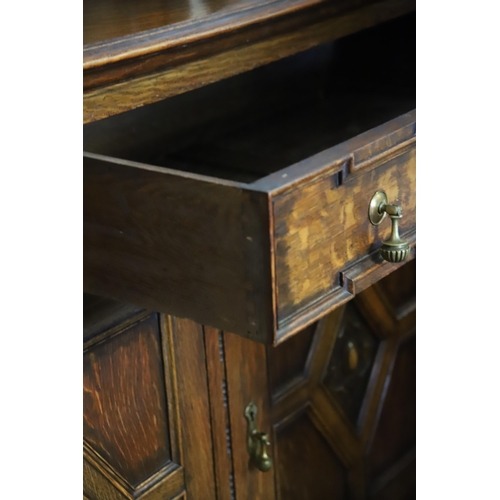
(169, 243)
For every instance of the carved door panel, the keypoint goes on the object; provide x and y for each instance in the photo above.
(147, 423)
(340, 400)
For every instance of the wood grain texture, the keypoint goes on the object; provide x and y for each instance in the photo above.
(157, 238)
(194, 406)
(396, 429)
(318, 451)
(219, 409)
(306, 466)
(233, 59)
(109, 19)
(267, 257)
(111, 61)
(247, 381)
(97, 487)
(351, 362)
(288, 362)
(399, 289)
(101, 315)
(322, 228)
(125, 409)
(168, 487)
(148, 242)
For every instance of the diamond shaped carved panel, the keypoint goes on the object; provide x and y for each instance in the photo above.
(351, 362)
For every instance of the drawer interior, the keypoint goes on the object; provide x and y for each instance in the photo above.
(249, 126)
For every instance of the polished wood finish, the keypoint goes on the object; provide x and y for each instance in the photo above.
(247, 381)
(142, 412)
(131, 426)
(231, 237)
(219, 409)
(194, 408)
(347, 437)
(109, 19)
(312, 244)
(351, 363)
(100, 315)
(299, 444)
(249, 218)
(228, 256)
(320, 447)
(289, 362)
(145, 67)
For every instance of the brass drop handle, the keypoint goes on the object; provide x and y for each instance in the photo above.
(257, 441)
(395, 249)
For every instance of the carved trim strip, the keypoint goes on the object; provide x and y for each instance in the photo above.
(225, 399)
(219, 409)
(172, 396)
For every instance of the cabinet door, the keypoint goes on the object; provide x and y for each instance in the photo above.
(337, 399)
(146, 424)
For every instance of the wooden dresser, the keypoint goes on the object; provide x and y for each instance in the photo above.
(249, 250)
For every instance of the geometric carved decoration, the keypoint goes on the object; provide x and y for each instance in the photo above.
(349, 401)
(124, 398)
(287, 361)
(307, 468)
(396, 430)
(351, 362)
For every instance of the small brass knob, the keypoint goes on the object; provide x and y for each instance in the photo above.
(395, 249)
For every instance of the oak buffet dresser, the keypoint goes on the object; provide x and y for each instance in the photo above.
(249, 249)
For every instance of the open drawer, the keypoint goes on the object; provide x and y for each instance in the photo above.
(244, 205)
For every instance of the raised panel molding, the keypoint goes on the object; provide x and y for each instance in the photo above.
(383, 320)
(131, 421)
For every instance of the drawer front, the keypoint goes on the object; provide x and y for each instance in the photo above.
(262, 259)
(321, 228)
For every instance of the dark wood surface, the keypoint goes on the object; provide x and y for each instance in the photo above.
(247, 380)
(131, 433)
(112, 414)
(247, 214)
(306, 466)
(104, 20)
(257, 224)
(146, 67)
(141, 243)
(170, 424)
(101, 314)
(194, 409)
(323, 448)
(221, 428)
(288, 362)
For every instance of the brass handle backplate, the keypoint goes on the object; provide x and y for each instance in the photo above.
(395, 249)
(257, 441)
